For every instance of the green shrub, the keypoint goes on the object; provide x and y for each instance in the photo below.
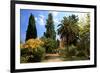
(50, 45)
(38, 54)
(24, 52)
(69, 51)
(81, 54)
(23, 55)
(32, 51)
(32, 54)
(24, 59)
(72, 50)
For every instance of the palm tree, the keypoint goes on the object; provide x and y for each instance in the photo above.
(68, 29)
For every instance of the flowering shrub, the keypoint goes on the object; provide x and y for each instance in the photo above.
(37, 54)
(33, 49)
(32, 43)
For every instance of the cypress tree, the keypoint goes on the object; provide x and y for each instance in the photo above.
(50, 32)
(31, 30)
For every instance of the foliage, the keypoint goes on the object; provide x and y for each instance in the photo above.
(31, 30)
(70, 51)
(50, 45)
(81, 54)
(23, 59)
(77, 35)
(37, 54)
(84, 41)
(68, 29)
(24, 52)
(32, 51)
(50, 32)
(33, 43)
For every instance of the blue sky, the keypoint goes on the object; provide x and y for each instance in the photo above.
(40, 18)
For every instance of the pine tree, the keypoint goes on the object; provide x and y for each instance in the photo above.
(50, 32)
(31, 30)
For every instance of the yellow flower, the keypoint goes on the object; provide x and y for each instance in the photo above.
(32, 43)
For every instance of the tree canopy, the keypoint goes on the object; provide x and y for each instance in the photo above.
(68, 29)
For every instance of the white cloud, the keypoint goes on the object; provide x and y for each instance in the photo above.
(35, 18)
(55, 14)
(41, 20)
(41, 16)
(56, 21)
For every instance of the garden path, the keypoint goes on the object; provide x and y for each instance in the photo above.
(52, 58)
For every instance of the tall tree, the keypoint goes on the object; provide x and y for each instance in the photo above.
(50, 32)
(68, 29)
(84, 43)
(31, 30)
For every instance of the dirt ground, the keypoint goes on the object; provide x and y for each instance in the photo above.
(52, 58)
